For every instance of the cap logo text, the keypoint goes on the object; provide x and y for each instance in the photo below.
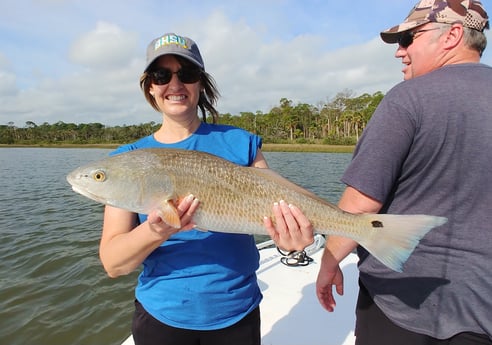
(170, 39)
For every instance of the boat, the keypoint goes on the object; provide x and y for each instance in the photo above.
(290, 311)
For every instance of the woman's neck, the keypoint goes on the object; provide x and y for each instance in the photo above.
(173, 131)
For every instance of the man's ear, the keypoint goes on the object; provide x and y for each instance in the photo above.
(454, 36)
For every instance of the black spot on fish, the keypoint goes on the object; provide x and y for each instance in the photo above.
(377, 224)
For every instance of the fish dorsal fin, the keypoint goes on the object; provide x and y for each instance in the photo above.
(169, 214)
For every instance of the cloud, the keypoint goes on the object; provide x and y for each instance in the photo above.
(7, 79)
(254, 73)
(107, 46)
(104, 90)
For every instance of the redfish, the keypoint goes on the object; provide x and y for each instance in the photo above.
(235, 199)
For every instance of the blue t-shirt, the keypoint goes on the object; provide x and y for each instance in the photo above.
(202, 280)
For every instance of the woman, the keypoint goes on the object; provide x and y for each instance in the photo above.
(195, 287)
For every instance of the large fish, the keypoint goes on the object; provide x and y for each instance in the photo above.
(235, 199)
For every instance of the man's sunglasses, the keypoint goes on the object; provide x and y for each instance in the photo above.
(407, 37)
(185, 75)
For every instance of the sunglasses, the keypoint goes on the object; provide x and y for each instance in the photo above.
(163, 76)
(407, 37)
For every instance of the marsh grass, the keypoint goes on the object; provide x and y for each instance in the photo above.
(265, 148)
(307, 148)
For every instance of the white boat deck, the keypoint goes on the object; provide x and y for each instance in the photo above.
(290, 311)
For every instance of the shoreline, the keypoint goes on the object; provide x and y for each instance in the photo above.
(265, 148)
(308, 148)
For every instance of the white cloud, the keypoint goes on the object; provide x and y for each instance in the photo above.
(107, 46)
(7, 79)
(105, 90)
(254, 73)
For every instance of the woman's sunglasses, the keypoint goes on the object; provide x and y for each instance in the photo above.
(185, 75)
(407, 37)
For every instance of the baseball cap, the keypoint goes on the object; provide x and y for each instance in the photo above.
(171, 43)
(470, 13)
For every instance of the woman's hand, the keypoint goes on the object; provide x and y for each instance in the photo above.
(185, 210)
(292, 230)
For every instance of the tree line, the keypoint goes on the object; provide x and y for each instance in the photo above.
(340, 120)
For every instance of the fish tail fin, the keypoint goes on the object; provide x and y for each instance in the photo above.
(396, 236)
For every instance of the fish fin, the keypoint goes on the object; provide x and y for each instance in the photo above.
(396, 236)
(169, 214)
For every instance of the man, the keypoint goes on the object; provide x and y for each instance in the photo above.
(426, 150)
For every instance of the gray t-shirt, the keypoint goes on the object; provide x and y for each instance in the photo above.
(428, 150)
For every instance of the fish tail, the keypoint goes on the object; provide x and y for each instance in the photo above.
(394, 237)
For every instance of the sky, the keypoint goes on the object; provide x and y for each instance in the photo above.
(79, 61)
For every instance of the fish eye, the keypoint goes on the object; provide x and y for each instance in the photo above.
(99, 176)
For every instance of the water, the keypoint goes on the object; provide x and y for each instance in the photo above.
(53, 289)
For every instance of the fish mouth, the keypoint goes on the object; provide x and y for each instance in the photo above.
(88, 194)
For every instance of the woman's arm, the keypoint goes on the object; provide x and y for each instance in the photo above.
(125, 244)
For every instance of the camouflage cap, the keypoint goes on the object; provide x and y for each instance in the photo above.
(171, 43)
(470, 13)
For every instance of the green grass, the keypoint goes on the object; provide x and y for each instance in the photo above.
(265, 148)
(307, 148)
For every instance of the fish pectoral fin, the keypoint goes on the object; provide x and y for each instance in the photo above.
(169, 214)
